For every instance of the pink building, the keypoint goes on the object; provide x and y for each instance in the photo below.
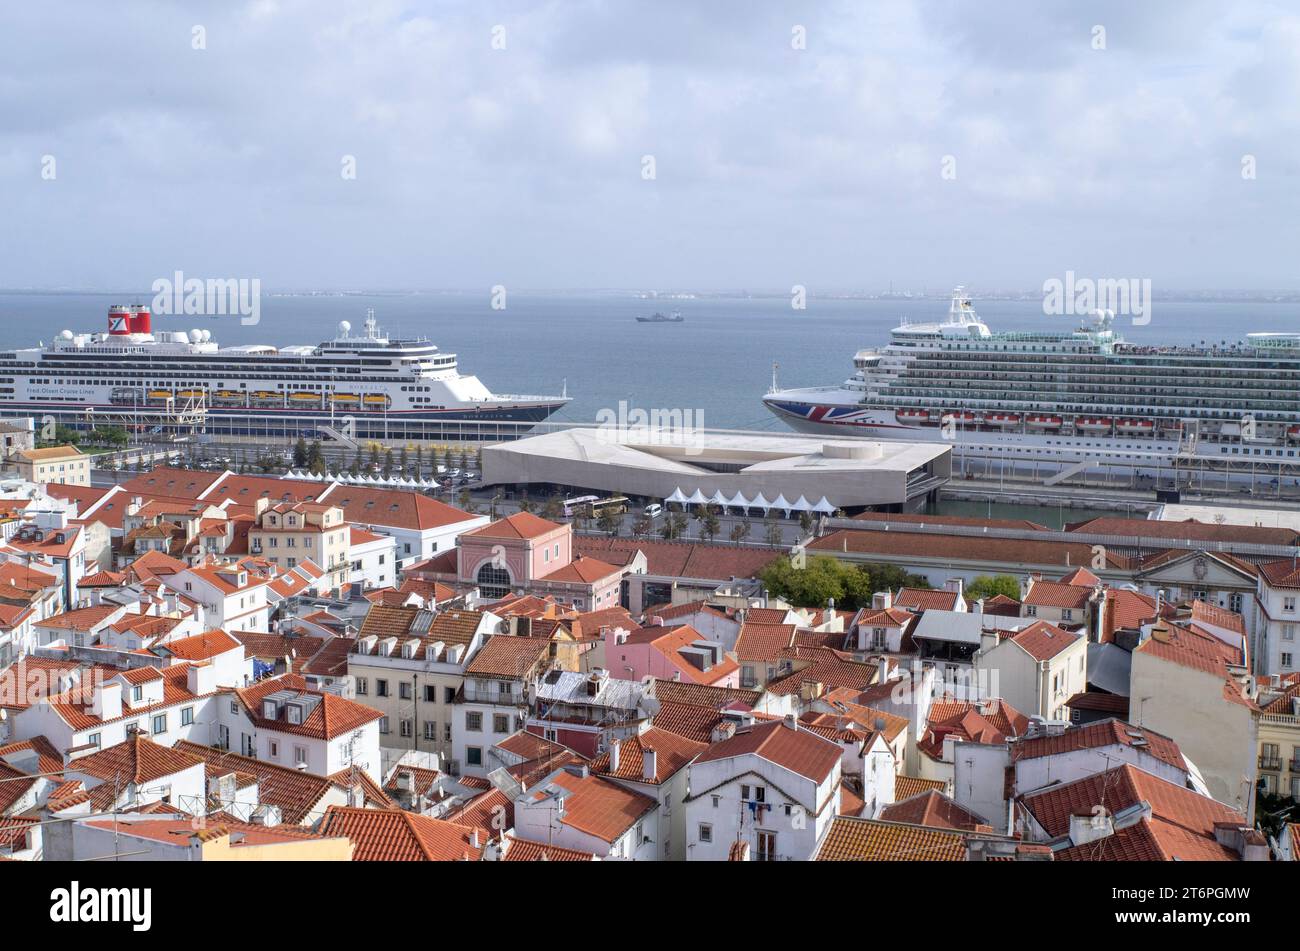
(525, 554)
(669, 653)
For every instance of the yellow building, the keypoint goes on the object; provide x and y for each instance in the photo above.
(57, 465)
(293, 532)
(1279, 735)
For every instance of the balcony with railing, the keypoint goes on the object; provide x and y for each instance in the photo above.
(1270, 763)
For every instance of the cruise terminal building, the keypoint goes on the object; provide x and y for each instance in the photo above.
(760, 471)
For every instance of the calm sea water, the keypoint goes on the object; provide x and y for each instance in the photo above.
(717, 364)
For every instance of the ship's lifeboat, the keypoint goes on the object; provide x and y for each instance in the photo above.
(962, 416)
(903, 415)
(191, 394)
(1136, 425)
(1044, 422)
(267, 398)
(1293, 432)
(378, 400)
(303, 398)
(159, 396)
(229, 398)
(345, 398)
(1003, 419)
(1093, 424)
(126, 396)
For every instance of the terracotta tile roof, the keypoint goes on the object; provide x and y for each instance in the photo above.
(797, 749)
(48, 759)
(934, 809)
(814, 665)
(81, 619)
(758, 641)
(331, 660)
(1181, 824)
(922, 599)
(583, 570)
(507, 656)
(1110, 703)
(433, 592)
(1100, 734)
(177, 483)
(1055, 594)
(590, 623)
(294, 792)
(274, 647)
(687, 720)
(137, 760)
(330, 718)
(1043, 641)
(1189, 648)
(528, 746)
(868, 840)
(397, 836)
(455, 626)
(1189, 530)
(491, 812)
(384, 620)
(1082, 577)
(203, 646)
(905, 787)
(1007, 551)
(595, 805)
(704, 695)
(679, 559)
(14, 785)
(1216, 616)
(854, 716)
(519, 525)
(672, 753)
(1281, 574)
(24, 682)
(523, 850)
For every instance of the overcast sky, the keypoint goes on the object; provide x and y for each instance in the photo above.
(524, 166)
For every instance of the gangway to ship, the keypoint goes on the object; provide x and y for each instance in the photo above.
(329, 432)
(1069, 472)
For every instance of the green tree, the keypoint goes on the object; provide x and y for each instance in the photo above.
(609, 521)
(805, 523)
(674, 526)
(526, 504)
(641, 526)
(740, 531)
(820, 578)
(892, 577)
(388, 463)
(66, 436)
(300, 453)
(709, 523)
(316, 458)
(988, 586)
(553, 508)
(772, 533)
(465, 500)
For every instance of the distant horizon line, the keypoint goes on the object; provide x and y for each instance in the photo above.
(1260, 294)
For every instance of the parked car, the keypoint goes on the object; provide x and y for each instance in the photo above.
(653, 510)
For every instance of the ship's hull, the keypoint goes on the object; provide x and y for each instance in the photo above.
(501, 421)
(818, 414)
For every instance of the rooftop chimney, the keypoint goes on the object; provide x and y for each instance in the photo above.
(614, 755)
(649, 762)
(882, 600)
(106, 701)
(790, 722)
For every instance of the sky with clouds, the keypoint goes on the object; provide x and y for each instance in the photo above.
(525, 166)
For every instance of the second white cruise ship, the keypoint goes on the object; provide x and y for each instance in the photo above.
(1063, 396)
(365, 384)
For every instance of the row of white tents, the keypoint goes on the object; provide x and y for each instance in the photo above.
(378, 482)
(738, 501)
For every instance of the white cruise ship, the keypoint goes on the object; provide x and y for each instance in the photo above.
(1064, 396)
(366, 384)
